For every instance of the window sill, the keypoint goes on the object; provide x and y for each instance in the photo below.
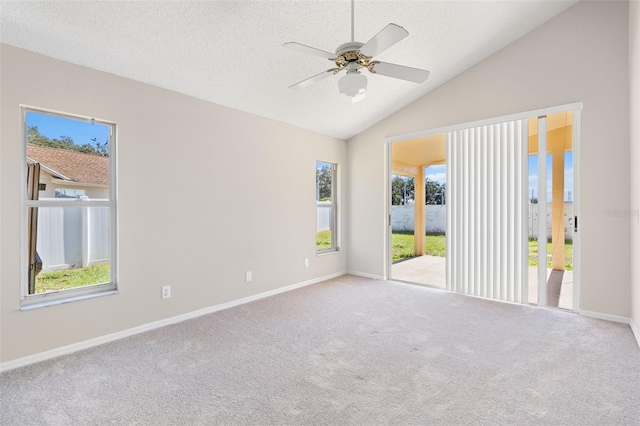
(46, 303)
(325, 253)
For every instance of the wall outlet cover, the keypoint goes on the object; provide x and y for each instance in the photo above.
(166, 291)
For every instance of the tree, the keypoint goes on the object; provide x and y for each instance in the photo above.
(434, 192)
(402, 190)
(323, 182)
(66, 142)
(101, 149)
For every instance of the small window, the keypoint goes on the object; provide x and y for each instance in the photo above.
(326, 207)
(69, 207)
(69, 193)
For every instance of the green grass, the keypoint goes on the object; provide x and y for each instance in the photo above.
(402, 248)
(436, 245)
(402, 245)
(71, 278)
(568, 254)
(323, 240)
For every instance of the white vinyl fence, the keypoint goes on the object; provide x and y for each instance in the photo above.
(532, 223)
(436, 219)
(72, 237)
(323, 217)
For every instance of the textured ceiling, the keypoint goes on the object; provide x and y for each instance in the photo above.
(230, 52)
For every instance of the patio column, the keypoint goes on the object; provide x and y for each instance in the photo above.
(557, 205)
(418, 212)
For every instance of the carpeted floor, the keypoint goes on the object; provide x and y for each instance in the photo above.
(346, 351)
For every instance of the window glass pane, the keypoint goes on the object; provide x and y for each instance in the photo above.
(325, 206)
(559, 212)
(73, 154)
(532, 220)
(69, 193)
(72, 247)
(324, 187)
(324, 233)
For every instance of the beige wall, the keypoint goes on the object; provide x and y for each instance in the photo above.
(205, 194)
(634, 80)
(581, 55)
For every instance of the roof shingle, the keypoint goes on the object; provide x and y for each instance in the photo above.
(77, 166)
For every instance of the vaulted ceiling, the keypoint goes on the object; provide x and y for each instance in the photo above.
(230, 52)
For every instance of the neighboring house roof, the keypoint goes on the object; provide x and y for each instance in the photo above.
(70, 165)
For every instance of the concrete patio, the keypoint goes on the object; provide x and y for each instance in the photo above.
(432, 271)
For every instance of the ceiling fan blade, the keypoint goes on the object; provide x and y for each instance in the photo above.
(311, 80)
(399, 71)
(310, 50)
(390, 35)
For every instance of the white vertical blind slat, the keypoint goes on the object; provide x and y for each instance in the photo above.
(469, 213)
(524, 212)
(451, 232)
(511, 291)
(466, 211)
(493, 234)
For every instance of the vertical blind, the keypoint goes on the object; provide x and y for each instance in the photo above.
(486, 211)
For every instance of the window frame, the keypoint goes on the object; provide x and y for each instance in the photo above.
(333, 206)
(32, 301)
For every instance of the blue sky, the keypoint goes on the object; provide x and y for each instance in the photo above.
(568, 176)
(436, 173)
(81, 132)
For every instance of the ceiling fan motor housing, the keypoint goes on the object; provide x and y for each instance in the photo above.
(352, 45)
(350, 52)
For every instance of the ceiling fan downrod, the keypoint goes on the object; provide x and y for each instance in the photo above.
(352, 22)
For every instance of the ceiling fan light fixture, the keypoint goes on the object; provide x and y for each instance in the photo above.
(352, 84)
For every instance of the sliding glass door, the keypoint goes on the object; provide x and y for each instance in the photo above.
(512, 204)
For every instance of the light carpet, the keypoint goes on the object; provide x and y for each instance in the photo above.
(349, 351)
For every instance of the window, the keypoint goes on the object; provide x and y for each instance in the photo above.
(326, 207)
(69, 193)
(70, 207)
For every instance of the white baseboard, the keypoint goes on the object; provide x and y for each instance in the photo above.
(366, 275)
(606, 317)
(636, 331)
(74, 347)
(614, 318)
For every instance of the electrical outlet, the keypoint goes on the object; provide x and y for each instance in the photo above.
(247, 276)
(306, 263)
(166, 291)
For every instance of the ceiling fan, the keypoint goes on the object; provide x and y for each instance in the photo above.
(353, 55)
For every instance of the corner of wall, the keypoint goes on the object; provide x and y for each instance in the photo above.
(636, 330)
(634, 147)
